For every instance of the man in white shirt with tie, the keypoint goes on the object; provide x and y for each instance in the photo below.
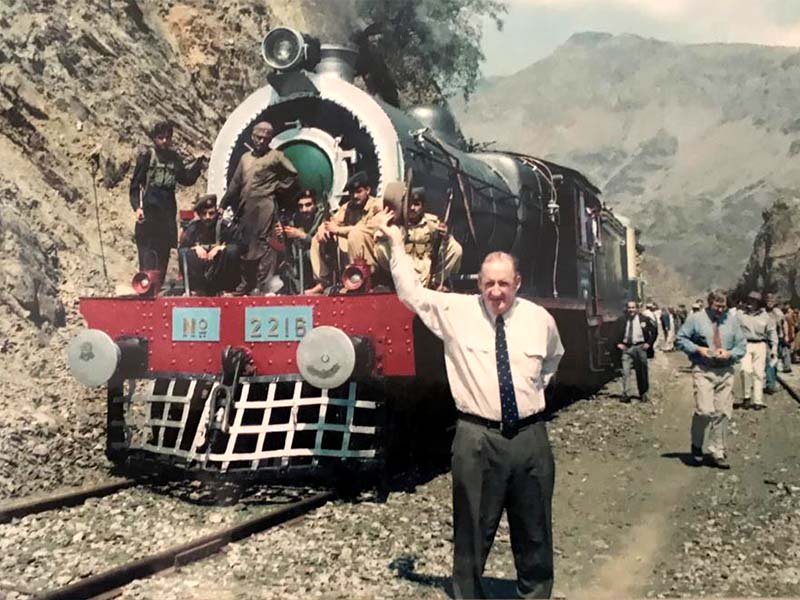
(500, 352)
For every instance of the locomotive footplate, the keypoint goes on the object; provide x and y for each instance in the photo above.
(270, 428)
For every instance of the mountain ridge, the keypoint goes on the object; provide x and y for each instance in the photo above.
(691, 141)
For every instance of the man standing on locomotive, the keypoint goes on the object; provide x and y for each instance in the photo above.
(261, 177)
(349, 232)
(498, 368)
(152, 197)
(427, 243)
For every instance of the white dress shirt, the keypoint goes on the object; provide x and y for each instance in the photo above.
(467, 330)
(635, 324)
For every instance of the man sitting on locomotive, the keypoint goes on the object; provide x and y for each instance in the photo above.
(348, 232)
(262, 177)
(152, 196)
(210, 250)
(434, 253)
(298, 234)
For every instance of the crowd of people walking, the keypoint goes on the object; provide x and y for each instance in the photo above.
(735, 350)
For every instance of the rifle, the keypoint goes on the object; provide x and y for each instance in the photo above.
(436, 250)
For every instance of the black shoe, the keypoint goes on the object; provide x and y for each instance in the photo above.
(759, 406)
(697, 455)
(625, 398)
(718, 462)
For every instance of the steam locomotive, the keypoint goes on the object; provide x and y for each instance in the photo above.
(290, 387)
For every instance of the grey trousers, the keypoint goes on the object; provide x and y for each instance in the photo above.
(635, 358)
(492, 473)
(713, 407)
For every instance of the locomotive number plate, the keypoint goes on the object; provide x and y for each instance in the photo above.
(277, 323)
(195, 324)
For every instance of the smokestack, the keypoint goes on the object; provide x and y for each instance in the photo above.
(337, 60)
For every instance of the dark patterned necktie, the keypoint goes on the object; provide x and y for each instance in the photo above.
(629, 335)
(508, 399)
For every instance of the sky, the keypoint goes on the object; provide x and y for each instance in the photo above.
(534, 28)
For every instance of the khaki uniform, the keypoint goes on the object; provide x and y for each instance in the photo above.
(253, 193)
(419, 246)
(355, 238)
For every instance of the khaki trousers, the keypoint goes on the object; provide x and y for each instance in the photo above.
(359, 243)
(754, 366)
(451, 261)
(713, 407)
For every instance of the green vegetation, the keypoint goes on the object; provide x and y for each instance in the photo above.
(430, 47)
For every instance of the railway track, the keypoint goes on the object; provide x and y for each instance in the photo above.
(103, 584)
(791, 387)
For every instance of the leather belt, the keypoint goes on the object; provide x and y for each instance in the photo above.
(490, 424)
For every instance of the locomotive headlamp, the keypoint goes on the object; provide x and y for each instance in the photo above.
(357, 276)
(285, 49)
(145, 283)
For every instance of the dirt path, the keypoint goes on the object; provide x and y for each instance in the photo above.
(623, 516)
(627, 522)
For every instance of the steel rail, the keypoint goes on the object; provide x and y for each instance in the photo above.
(182, 554)
(28, 506)
(793, 393)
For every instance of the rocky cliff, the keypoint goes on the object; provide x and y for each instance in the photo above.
(692, 142)
(774, 264)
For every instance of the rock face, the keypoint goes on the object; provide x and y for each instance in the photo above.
(29, 267)
(691, 142)
(774, 263)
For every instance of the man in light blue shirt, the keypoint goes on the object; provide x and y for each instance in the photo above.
(714, 341)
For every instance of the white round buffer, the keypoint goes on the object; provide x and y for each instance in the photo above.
(92, 357)
(326, 357)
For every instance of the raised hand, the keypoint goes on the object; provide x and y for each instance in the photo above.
(391, 232)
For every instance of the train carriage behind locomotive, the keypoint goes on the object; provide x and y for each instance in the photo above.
(289, 386)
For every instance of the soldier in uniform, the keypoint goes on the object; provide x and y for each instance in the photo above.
(261, 178)
(211, 255)
(427, 243)
(152, 197)
(349, 232)
(298, 234)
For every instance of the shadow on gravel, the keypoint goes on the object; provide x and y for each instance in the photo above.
(405, 568)
(684, 457)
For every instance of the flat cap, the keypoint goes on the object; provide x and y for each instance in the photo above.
(356, 181)
(205, 201)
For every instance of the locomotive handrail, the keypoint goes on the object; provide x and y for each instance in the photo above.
(455, 164)
(502, 194)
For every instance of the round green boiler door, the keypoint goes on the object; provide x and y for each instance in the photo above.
(314, 169)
